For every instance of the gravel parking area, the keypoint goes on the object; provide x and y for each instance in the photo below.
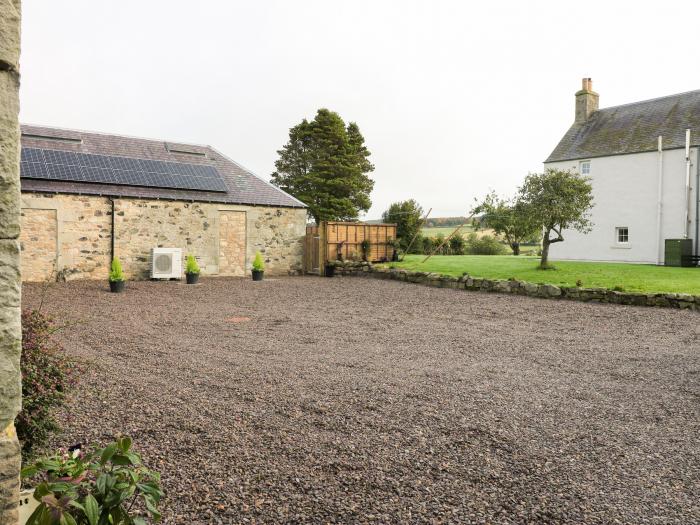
(348, 400)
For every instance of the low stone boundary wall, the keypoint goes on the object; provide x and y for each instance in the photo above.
(512, 286)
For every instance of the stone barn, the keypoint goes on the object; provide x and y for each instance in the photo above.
(87, 197)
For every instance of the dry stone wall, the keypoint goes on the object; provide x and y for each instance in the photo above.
(10, 328)
(544, 291)
(70, 235)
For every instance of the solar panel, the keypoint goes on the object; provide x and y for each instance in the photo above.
(83, 167)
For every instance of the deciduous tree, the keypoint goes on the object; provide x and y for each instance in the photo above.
(557, 200)
(507, 218)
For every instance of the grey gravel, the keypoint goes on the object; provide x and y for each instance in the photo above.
(352, 400)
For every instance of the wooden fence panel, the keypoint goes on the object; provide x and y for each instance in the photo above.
(327, 241)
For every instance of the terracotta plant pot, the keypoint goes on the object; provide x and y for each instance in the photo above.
(258, 275)
(116, 286)
(192, 278)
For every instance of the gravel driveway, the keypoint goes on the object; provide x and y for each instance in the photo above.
(347, 400)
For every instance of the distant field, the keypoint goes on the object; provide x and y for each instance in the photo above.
(447, 230)
(628, 277)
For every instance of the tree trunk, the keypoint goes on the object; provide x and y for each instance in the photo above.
(544, 261)
(515, 246)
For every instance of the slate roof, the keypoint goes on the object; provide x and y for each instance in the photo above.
(633, 128)
(243, 186)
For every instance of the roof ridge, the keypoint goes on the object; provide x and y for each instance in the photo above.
(651, 100)
(92, 132)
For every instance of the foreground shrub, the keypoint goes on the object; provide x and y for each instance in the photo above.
(98, 488)
(47, 376)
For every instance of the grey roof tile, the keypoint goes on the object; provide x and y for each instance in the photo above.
(243, 186)
(633, 128)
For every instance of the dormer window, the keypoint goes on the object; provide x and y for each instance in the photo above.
(584, 167)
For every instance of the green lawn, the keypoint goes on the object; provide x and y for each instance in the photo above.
(628, 277)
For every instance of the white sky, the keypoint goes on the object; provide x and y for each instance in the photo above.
(453, 98)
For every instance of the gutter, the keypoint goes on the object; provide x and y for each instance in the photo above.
(587, 157)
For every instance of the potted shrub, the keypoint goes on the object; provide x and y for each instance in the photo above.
(191, 270)
(101, 487)
(258, 267)
(395, 246)
(366, 247)
(116, 277)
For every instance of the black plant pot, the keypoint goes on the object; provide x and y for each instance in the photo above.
(116, 286)
(192, 278)
(329, 270)
(258, 275)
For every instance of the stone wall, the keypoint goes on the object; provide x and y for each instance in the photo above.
(512, 286)
(10, 328)
(224, 238)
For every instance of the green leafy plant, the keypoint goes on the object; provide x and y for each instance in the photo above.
(365, 247)
(48, 375)
(457, 244)
(94, 489)
(65, 465)
(258, 262)
(191, 265)
(427, 245)
(484, 245)
(408, 217)
(116, 273)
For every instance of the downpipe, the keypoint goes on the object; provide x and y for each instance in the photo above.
(659, 202)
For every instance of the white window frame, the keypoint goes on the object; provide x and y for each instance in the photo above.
(587, 170)
(618, 234)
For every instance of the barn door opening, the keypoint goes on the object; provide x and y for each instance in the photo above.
(232, 242)
(38, 240)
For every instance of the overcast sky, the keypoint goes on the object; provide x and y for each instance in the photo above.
(453, 98)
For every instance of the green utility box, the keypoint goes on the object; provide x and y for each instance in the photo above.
(677, 252)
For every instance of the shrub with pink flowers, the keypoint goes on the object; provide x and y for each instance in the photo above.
(48, 374)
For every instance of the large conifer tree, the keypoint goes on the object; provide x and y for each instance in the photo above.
(325, 165)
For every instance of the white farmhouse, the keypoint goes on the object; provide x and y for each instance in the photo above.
(643, 162)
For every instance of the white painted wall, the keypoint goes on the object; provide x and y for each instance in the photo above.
(625, 189)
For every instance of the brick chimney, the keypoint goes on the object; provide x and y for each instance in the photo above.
(586, 101)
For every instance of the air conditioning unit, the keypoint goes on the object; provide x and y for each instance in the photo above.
(166, 263)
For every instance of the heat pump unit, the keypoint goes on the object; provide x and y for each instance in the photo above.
(166, 263)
